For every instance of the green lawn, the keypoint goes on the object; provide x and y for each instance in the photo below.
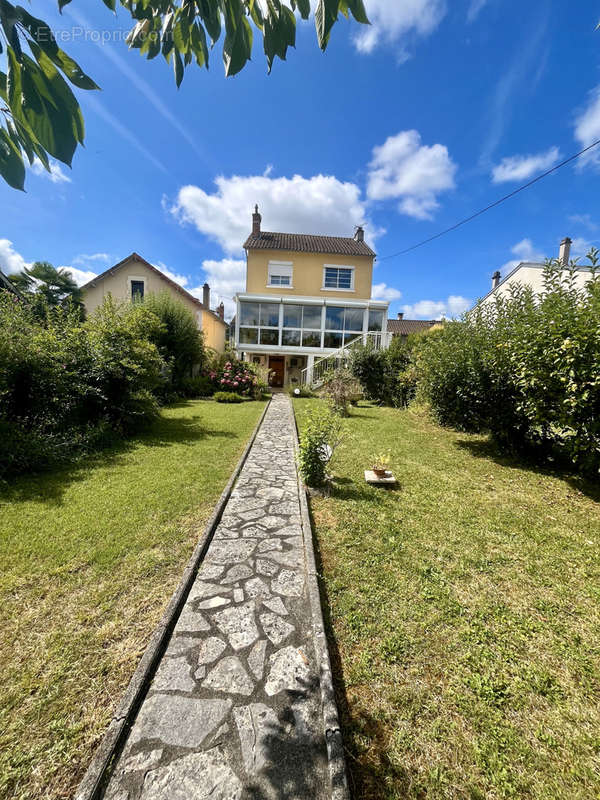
(464, 617)
(90, 556)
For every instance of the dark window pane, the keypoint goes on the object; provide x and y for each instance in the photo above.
(375, 320)
(350, 337)
(137, 290)
(334, 318)
(249, 313)
(354, 319)
(344, 278)
(312, 317)
(311, 339)
(333, 340)
(269, 315)
(280, 280)
(248, 336)
(292, 316)
(331, 277)
(291, 338)
(268, 336)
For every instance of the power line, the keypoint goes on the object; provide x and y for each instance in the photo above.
(491, 205)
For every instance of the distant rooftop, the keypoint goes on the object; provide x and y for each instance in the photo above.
(404, 327)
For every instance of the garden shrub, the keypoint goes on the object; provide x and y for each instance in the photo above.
(341, 389)
(228, 397)
(198, 386)
(386, 376)
(179, 340)
(301, 391)
(322, 429)
(525, 369)
(67, 387)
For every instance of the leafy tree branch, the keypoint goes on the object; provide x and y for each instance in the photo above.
(39, 114)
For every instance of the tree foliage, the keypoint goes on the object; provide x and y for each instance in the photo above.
(525, 368)
(55, 286)
(41, 116)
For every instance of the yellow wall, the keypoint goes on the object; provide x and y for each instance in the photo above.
(119, 286)
(307, 276)
(214, 332)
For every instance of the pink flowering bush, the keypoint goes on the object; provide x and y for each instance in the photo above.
(237, 376)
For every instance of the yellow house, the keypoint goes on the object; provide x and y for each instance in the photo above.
(135, 277)
(306, 297)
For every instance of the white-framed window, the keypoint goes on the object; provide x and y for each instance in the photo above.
(280, 274)
(338, 278)
(137, 287)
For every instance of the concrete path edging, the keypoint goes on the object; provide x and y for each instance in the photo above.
(333, 735)
(95, 778)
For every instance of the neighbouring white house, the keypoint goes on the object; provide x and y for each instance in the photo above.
(531, 273)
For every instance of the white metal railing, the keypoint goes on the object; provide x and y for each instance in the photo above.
(313, 375)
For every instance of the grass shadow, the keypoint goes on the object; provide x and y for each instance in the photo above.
(49, 486)
(488, 449)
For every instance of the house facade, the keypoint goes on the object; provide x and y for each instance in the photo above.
(306, 296)
(134, 277)
(531, 273)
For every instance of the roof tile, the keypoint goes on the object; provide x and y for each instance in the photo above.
(306, 243)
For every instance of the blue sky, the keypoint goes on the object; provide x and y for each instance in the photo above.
(407, 126)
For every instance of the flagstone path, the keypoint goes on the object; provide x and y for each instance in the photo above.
(234, 710)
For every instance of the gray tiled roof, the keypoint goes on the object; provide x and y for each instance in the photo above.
(404, 327)
(306, 243)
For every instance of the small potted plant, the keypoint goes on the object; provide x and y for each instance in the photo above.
(381, 464)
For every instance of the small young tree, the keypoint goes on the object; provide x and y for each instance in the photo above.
(179, 339)
(341, 388)
(321, 434)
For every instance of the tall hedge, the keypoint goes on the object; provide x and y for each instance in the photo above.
(67, 386)
(525, 368)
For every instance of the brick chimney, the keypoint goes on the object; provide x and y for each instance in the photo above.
(206, 296)
(564, 252)
(221, 310)
(495, 279)
(400, 315)
(359, 234)
(256, 220)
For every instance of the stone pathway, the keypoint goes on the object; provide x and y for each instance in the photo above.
(234, 710)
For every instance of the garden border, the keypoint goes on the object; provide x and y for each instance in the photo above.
(331, 721)
(94, 781)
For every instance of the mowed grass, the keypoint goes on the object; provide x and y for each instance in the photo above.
(90, 556)
(464, 617)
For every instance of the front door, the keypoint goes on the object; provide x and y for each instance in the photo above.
(276, 371)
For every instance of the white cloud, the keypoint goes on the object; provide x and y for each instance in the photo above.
(80, 276)
(519, 168)
(474, 9)
(10, 260)
(585, 220)
(580, 247)
(83, 259)
(525, 251)
(321, 204)
(381, 291)
(587, 129)
(174, 276)
(436, 309)
(225, 278)
(394, 22)
(402, 168)
(56, 175)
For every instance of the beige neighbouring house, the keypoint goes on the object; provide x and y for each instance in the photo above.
(135, 277)
(306, 297)
(531, 273)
